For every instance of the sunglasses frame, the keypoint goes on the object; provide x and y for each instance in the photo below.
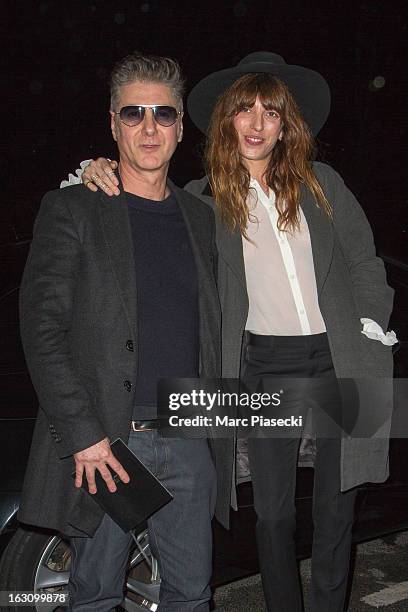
(153, 107)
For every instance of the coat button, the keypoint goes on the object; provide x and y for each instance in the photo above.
(128, 385)
(129, 345)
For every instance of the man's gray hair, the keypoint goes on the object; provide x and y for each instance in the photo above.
(148, 68)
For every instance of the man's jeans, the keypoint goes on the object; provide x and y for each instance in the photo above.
(180, 533)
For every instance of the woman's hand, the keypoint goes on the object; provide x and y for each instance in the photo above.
(101, 174)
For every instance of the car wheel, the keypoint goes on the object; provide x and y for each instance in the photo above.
(39, 562)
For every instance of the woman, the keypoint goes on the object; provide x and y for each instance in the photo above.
(298, 272)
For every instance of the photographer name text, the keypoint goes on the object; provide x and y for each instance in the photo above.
(253, 420)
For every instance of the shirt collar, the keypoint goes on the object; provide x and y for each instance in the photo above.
(262, 197)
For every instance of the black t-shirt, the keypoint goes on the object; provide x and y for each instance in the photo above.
(167, 298)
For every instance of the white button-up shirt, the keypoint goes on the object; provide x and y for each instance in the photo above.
(280, 273)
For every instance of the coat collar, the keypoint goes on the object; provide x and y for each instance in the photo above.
(321, 236)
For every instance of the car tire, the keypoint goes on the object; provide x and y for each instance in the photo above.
(19, 562)
(38, 562)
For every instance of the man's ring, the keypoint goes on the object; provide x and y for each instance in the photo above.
(95, 178)
(87, 182)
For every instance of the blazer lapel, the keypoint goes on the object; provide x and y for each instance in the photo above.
(321, 236)
(209, 305)
(229, 244)
(230, 248)
(118, 237)
(192, 225)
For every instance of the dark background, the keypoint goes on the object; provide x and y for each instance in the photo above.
(57, 57)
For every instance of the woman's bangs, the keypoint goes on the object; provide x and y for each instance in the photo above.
(271, 93)
(244, 97)
(266, 86)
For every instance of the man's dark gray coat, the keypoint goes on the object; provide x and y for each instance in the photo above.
(78, 326)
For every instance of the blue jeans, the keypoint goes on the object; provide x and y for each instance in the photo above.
(179, 533)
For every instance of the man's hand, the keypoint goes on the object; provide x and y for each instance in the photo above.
(100, 174)
(98, 457)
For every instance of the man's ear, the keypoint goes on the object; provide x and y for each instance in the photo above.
(113, 125)
(180, 134)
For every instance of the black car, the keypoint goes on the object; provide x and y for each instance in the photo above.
(38, 560)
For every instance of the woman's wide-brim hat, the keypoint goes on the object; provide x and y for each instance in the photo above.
(307, 86)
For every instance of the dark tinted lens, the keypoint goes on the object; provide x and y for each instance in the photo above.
(165, 115)
(132, 115)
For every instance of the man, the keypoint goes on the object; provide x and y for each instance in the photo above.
(116, 294)
(294, 240)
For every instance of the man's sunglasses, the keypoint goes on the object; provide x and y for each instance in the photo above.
(163, 115)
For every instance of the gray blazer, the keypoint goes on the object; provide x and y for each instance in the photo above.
(351, 283)
(78, 313)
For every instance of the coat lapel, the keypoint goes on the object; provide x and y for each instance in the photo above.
(192, 224)
(230, 249)
(229, 244)
(209, 305)
(321, 236)
(118, 237)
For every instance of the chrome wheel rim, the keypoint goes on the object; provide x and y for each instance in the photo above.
(142, 583)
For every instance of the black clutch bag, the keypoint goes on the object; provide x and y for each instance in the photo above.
(132, 503)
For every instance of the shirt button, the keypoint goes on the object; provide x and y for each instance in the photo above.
(292, 276)
(129, 345)
(128, 385)
(301, 312)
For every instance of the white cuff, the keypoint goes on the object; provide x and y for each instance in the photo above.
(75, 180)
(372, 330)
